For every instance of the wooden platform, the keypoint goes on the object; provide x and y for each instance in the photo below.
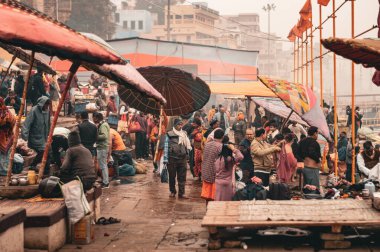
(252, 214)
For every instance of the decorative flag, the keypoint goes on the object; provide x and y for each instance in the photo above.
(306, 12)
(303, 25)
(296, 31)
(323, 2)
(291, 36)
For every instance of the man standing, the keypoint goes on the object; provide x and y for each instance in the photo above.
(262, 156)
(13, 100)
(36, 128)
(88, 132)
(246, 165)
(239, 128)
(310, 153)
(102, 145)
(177, 147)
(297, 130)
(211, 151)
(37, 87)
(273, 131)
(221, 117)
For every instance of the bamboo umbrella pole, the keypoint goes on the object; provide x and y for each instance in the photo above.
(294, 61)
(320, 56)
(74, 67)
(306, 61)
(312, 58)
(18, 121)
(8, 69)
(353, 121)
(302, 60)
(335, 100)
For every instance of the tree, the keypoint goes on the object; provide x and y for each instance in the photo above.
(95, 16)
(156, 6)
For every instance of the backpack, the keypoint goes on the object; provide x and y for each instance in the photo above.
(342, 153)
(50, 188)
(279, 191)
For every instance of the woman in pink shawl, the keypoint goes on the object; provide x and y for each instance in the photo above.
(287, 162)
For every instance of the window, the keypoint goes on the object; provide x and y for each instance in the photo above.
(133, 25)
(117, 17)
(178, 17)
(188, 16)
(141, 25)
(188, 38)
(125, 24)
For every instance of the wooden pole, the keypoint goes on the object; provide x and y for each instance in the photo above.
(18, 122)
(286, 120)
(298, 60)
(294, 61)
(353, 121)
(8, 69)
(302, 60)
(312, 58)
(320, 56)
(335, 100)
(74, 67)
(306, 61)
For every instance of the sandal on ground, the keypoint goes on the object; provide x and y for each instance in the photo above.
(113, 220)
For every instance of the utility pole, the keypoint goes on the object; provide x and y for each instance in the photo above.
(168, 23)
(56, 9)
(268, 8)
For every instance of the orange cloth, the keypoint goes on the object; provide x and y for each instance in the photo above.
(303, 25)
(211, 114)
(117, 141)
(306, 10)
(208, 191)
(323, 2)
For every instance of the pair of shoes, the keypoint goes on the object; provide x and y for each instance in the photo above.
(172, 195)
(183, 197)
(105, 186)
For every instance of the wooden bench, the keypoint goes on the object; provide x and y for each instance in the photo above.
(292, 213)
(12, 228)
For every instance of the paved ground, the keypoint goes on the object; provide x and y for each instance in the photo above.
(153, 221)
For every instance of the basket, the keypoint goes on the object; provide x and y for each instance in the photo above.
(80, 107)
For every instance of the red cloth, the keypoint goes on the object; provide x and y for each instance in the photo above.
(303, 25)
(287, 165)
(306, 11)
(7, 122)
(197, 162)
(323, 2)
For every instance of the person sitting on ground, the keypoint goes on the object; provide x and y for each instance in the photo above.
(119, 152)
(224, 168)
(13, 101)
(310, 152)
(368, 161)
(77, 163)
(262, 156)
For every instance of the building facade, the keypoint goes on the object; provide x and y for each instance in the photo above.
(58, 9)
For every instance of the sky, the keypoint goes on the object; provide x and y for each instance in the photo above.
(286, 14)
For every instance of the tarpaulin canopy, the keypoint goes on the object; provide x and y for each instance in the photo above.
(30, 29)
(252, 88)
(27, 58)
(277, 107)
(301, 100)
(361, 51)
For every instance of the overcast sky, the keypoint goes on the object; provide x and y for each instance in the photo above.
(287, 13)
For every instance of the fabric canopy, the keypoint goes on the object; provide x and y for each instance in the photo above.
(252, 88)
(301, 100)
(277, 107)
(32, 30)
(361, 51)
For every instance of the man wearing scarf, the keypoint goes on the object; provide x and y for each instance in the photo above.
(7, 121)
(177, 147)
(368, 161)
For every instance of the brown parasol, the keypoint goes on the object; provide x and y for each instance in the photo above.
(26, 57)
(32, 30)
(184, 92)
(360, 51)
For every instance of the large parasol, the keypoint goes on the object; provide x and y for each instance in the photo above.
(184, 92)
(301, 100)
(125, 75)
(32, 30)
(27, 58)
(360, 51)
